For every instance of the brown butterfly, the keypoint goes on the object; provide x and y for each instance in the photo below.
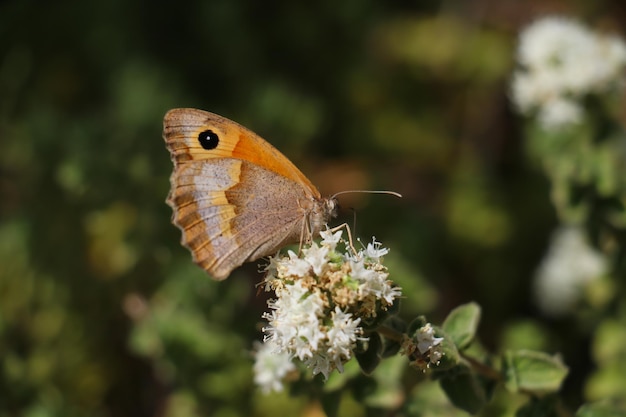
(235, 197)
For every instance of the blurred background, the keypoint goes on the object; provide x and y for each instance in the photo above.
(103, 313)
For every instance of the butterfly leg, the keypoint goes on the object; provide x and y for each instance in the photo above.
(304, 229)
(350, 241)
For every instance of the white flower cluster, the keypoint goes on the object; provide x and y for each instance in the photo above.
(424, 349)
(321, 298)
(561, 62)
(567, 267)
(427, 343)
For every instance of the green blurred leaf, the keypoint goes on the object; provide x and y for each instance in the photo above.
(609, 344)
(462, 323)
(524, 334)
(338, 380)
(602, 409)
(451, 356)
(370, 357)
(389, 391)
(330, 403)
(416, 324)
(465, 390)
(543, 407)
(526, 370)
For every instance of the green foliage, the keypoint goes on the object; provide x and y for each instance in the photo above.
(585, 164)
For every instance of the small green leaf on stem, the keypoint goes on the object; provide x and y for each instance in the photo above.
(461, 324)
(537, 372)
(465, 390)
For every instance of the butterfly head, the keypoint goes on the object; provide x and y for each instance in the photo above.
(320, 212)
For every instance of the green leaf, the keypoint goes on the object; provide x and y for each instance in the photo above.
(465, 390)
(416, 324)
(338, 380)
(370, 357)
(461, 324)
(601, 409)
(527, 370)
(363, 387)
(389, 392)
(451, 356)
(544, 407)
(391, 348)
(330, 403)
(396, 324)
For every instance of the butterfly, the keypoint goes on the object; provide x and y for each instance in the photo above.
(234, 196)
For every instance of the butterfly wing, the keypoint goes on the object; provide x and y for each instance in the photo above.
(182, 129)
(237, 201)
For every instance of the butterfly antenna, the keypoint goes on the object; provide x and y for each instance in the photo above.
(345, 225)
(393, 193)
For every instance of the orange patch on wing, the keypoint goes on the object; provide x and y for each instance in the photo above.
(268, 157)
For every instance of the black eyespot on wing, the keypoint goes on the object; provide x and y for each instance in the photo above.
(208, 139)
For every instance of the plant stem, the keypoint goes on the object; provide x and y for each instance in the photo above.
(390, 333)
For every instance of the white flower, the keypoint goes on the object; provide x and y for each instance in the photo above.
(342, 336)
(560, 47)
(294, 324)
(614, 50)
(424, 349)
(330, 239)
(542, 39)
(375, 251)
(319, 364)
(561, 62)
(294, 266)
(567, 267)
(321, 298)
(317, 257)
(372, 282)
(560, 112)
(271, 366)
(426, 339)
(271, 273)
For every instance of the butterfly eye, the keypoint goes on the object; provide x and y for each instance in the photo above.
(208, 139)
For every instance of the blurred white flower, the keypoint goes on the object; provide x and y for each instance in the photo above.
(567, 267)
(561, 61)
(271, 367)
(560, 112)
